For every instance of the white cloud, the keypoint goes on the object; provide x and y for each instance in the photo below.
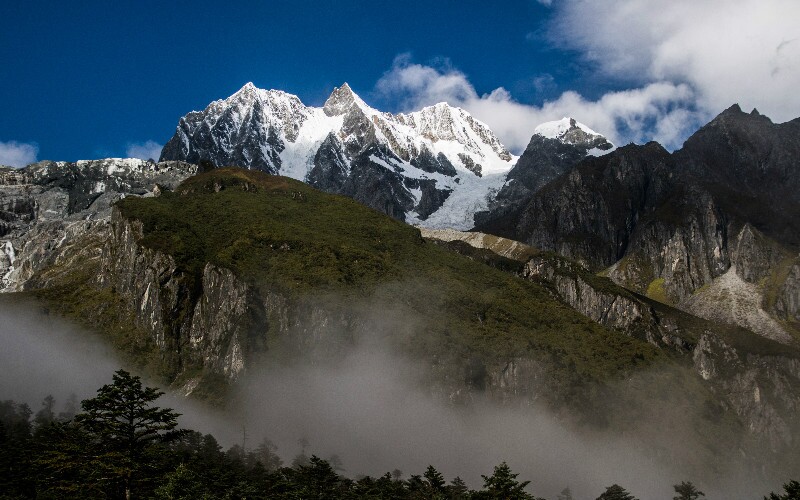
(684, 61)
(728, 51)
(144, 150)
(18, 154)
(659, 111)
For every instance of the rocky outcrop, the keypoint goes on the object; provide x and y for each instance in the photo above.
(754, 255)
(47, 207)
(757, 387)
(787, 302)
(544, 159)
(605, 303)
(669, 259)
(593, 296)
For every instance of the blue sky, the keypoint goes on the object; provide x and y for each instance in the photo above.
(95, 79)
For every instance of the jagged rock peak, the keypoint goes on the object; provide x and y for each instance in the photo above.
(570, 131)
(736, 114)
(249, 94)
(341, 99)
(248, 87)
(733, 109)
(442, 121)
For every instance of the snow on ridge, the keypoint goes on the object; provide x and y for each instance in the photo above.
(402, 126)
(441, 128)
(297, 159)
(249, 89)
(556, 129)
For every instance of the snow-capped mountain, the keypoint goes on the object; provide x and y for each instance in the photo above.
(553, 150)
(569, 131)
(435, 166)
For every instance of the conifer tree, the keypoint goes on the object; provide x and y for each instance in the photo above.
(503, 484)
(687, 491)
(265, 453)
(458, 489)
(791, 489)
(125, 426)
(434, 478)
(616, 492)
(566, 494)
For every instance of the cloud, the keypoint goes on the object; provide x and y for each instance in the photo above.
(662, 111)
(144, 150)
(18, 154)
(682, 62)
(745, 51)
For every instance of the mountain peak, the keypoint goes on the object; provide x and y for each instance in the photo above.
(735, 114)
(734, 109)
(341, 99)
(247, 89)
(570, 131)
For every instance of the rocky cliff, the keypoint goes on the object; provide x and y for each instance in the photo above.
(670, 226)
(749, 376)
(49, 205)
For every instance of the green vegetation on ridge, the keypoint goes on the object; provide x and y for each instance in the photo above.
(278, 233)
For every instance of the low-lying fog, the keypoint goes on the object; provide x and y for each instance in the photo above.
(367, 409)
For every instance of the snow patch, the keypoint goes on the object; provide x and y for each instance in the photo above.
(557, 129)
(297, 159)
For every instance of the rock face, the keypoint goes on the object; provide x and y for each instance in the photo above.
(667, 225)
(608, 305)
(553, 150)
(206, 323)
(593, 296)
(756, 387)
(47, 206)
(436, 166)
(758, 384)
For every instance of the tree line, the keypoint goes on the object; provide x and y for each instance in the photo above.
(120, 445)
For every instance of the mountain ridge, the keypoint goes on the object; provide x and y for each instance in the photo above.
(667, 225)
(437, 166)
